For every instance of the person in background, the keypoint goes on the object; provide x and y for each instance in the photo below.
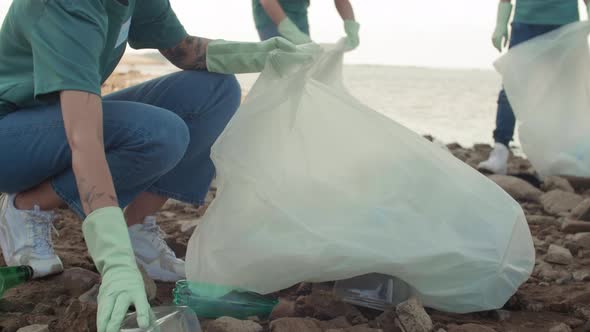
(63, 143)
(532, 18)
(288, 18)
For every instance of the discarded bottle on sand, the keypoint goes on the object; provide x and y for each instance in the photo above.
(213, 301)
(168, 319)
(11, 276)
(374, 290)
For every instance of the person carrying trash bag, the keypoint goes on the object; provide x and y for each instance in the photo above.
(532, 18)
(288, 18)
(63, 144)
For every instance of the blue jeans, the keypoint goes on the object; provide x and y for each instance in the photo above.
(157, 138)
(505, 119)
(271, 30)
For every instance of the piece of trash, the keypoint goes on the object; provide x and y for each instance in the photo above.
(11, 276)
(168, 319)
(375, 291)
(213, 301)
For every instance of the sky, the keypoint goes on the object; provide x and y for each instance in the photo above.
(443, 34)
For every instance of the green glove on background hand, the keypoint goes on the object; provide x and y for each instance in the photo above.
(500, 35)
(227, 57)
(291, 32)
(107, 239)
(352, 34)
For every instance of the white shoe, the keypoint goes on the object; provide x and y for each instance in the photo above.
(152, 252)
(497, 163)
(25, 238)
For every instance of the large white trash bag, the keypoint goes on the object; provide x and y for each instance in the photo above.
(315, 186)
(547, 80)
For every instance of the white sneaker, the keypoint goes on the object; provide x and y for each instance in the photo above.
(152, 252)
(25, 238)
(497, 163)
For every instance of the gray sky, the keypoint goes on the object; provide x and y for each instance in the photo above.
(397, 32)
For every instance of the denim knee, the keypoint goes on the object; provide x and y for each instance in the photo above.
(168, 142)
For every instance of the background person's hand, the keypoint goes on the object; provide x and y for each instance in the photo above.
(352, 34)
(501, 37)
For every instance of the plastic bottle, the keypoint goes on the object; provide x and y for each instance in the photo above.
(12, 276)
(168, 319)
(213, 301)
(375, 291)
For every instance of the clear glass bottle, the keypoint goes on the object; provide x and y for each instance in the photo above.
(168, 319)
(375, 291)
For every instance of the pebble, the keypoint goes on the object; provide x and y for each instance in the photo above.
(229, 324)
(559, 201)
(34, 328)
(561, 328)
(413, 317)
(559, 255)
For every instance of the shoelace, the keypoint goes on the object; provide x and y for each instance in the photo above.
(42, 224)
(157, 235)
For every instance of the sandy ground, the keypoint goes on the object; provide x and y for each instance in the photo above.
(557, 293)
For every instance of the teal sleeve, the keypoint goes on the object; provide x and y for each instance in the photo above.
(66, 42)
(155, 25)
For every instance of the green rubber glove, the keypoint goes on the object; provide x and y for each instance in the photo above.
(500, 35)
(227, 57)
(107, 239)
(289, 30)
(352, 34)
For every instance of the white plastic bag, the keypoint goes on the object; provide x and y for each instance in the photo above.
(547, 81)
(315, 186)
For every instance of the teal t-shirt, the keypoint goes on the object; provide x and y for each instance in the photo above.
(53, 45)
(553, 12)
(294, 9)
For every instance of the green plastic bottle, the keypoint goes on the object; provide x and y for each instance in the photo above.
(12, 276)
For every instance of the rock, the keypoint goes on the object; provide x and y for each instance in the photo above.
(188, 225)
(582, 240)
(541, 220)
(387, 321)
(413, 317)
(559, 255)
(229, 324)
(335, 324)
(77, 317)
(358, 328)
(34, 328)
(556, 182)
(470, 328)
(582, 275)
(283, 309)
(76, 281)
(304, 288)
(557, 202)
(150, 285)
(168, 214)
(294, 325)
(574, 322)
(582, 211)
(575, 226)
(519, 189)
(325, 306)
(561, 328)
(501, 315)
(43, 309)
(91, 296)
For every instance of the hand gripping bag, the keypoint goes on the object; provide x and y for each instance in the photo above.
(315, 186)
(547, 81)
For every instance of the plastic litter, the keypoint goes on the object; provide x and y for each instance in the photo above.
(168, 319)
(315, 186)
(213, 301)
(547, 81)
(375, 291)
